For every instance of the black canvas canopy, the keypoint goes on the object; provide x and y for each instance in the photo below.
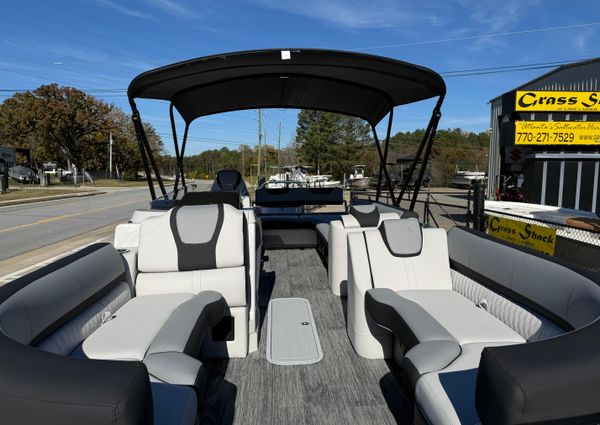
(349, 83)
(356, 84)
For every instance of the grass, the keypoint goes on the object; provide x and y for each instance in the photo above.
(118, 183)
(35, 193)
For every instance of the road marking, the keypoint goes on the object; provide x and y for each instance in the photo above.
(62, 217)
(15, 275)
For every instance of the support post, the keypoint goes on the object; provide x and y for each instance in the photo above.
(427, 141)
(478, 206)
(135, 117)
(177, 157)
(259, 144)
(182, 154)
(383, 159)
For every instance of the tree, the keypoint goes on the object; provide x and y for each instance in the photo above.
(330, 142)
(67, 125)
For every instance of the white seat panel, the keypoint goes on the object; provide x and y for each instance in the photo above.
(131, 330)
(466, 322)
(230, 282)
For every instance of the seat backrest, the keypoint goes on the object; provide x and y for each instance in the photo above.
(38, 304)
(364, 216)
(230, 181)
(194, 237)
(404, 256)
(568, 296)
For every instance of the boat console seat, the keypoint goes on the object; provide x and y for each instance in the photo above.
(360, 217)
(465, 316)
(76, 346)
(195, 248)
(232, 181)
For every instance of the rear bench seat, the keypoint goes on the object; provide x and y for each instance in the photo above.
(436, 321)
(82, 306)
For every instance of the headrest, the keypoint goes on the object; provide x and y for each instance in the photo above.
(403, 237)
(366, 215)
(229, 180)
(210, 198)
(192, 237)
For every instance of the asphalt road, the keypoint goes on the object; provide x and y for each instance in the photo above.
(30, 226)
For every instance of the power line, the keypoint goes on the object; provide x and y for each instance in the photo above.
(476, 37)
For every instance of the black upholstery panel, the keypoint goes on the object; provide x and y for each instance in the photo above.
(39, 387)
(208, 198)
(554, 380)
(365, 218)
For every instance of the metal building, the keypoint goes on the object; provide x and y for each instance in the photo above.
(545, 140)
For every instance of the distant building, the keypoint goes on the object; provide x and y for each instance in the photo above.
(545, 138)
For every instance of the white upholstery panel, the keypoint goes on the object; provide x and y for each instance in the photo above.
(157, 249)
(466, 322)
(131, 330)
(127, 235)
(429, 270)
(447, 397)
(230, 282)
(140, 215)
(230, 245)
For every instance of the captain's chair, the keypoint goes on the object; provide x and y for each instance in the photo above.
(232, 181)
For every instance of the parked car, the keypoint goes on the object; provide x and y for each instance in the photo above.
(23, 174)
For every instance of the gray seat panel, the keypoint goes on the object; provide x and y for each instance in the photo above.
(323, 229)
(133, 327)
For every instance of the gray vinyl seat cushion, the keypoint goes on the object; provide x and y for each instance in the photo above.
(174, 404)
(164, 331)
(131, 330)
(323, 229)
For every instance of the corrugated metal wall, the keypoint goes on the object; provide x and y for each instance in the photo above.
(577, 172)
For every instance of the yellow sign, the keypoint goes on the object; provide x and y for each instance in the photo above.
(557, 133)
(557, 101)
(533, 236)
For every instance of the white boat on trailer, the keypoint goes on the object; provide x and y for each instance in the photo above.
(370, 317)
(357, 179)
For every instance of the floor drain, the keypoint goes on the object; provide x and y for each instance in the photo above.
(305, 323)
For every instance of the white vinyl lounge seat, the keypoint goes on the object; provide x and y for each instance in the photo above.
(360, 218)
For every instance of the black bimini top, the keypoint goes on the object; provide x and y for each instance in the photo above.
(349, 83)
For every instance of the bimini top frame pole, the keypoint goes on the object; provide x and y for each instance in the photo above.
(354, 84)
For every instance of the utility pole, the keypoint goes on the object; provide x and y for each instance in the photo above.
(278, 147)
(259, 145)
(265, 154)
(243, 161)
(110, 143)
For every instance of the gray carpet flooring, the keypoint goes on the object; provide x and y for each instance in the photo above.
(342, 388)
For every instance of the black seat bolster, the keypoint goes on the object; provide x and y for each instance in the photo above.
(38, 386)
(172, 355)
(406, 319)
(551, 381)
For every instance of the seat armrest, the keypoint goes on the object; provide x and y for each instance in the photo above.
(555, 380)
(41, 387)
(185, 330)
(430, 356)
(175, 368)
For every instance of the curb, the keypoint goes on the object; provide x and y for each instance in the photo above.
(49, 198)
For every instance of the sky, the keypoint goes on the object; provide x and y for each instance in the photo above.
(99, 46)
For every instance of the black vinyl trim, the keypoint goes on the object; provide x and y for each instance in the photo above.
(247, 259)
(210, 315)
(369, 260)
(503, 290)
(368, 219)
(389, 248)
(200, 256)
